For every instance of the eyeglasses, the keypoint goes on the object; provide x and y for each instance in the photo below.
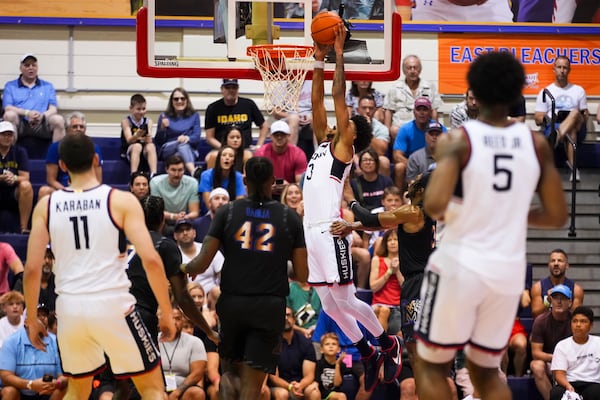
(179, 99)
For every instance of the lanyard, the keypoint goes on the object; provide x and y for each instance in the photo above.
(170, 359)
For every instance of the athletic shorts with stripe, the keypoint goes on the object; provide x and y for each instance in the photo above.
(91, 326)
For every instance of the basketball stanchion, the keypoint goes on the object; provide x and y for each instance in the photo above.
(283, 70)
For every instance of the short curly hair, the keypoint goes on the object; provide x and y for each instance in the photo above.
(364, 132)
(496, 78)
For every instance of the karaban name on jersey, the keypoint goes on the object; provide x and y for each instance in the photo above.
(78, 205)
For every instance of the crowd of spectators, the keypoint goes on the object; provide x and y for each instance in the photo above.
(316, 359)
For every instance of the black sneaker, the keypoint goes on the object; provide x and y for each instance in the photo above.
(392, 360)
(372, 366)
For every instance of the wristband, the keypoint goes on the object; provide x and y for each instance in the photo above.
(319, 64)
(29, 383)
(26, 113)
(58, 384)
(183, 268)
(290, 387)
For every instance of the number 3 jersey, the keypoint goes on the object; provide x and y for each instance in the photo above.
(88, 246)
(486, 220)
(257, 241)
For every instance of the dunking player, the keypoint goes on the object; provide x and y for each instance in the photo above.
(330, 266)
(87, 224)
(258, 235)
(487, 172)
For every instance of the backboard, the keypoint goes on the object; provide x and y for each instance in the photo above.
(193, 47)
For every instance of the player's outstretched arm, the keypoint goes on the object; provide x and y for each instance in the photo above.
(552, 211)
(179, 286)
(450, 155)
(128, 211)
(344, 139)
(201, 262)
(32, 276)
(319, 114)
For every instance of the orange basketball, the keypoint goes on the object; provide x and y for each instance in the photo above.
(323, 27)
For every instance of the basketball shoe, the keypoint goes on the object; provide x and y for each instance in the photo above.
(392, 360)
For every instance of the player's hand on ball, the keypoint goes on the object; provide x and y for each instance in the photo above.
(321, 51)
(340, 38)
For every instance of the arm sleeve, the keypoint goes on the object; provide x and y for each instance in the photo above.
(210, 118)
(559, 357)
(240, 188)
(540, 106)
(52, 95)
(257, 116)
(205, 184)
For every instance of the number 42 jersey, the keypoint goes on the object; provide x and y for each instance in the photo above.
(89, 247)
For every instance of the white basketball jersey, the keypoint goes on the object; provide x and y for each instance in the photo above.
(323, 185)
(88, 246)
(488, 228)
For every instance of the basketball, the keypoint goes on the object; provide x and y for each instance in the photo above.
(323, 27)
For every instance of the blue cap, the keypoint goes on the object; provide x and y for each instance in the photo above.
(434, 126)
(562, 289)
(230, 82)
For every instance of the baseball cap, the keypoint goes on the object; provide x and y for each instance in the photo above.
(434, 126)
(280, 126)
(26, 56)
(230, 82)
(562, 289)
(6, 126)
(422, 102)
(182, 222)
(218, 191)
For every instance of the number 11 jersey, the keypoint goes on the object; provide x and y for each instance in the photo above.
(89, 247)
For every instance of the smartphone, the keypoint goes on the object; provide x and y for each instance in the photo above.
(279, 181)
(47, 378)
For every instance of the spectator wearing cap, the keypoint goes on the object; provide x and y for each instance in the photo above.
(548, 329)
(400, 99)
(232, 109)
(217, 197)
(411, 137)
(178, 130)
(16, 192)
(185, 235)
(421, 160)
(289, 161)
(30, 104)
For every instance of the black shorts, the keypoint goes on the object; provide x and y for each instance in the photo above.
(410, 302)
(251, 327)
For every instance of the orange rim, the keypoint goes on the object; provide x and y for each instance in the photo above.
(274, 50)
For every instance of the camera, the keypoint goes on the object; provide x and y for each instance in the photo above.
(47, 378)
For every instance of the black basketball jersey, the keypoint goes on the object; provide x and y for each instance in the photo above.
(257, 241)
(140, 287)
(415, 248)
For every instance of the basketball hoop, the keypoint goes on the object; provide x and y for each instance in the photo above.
(283, 69)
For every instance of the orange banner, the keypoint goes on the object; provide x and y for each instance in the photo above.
(536, 52)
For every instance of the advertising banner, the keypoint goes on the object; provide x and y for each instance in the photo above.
(536, 52)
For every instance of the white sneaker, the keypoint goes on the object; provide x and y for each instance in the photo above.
(577, 178)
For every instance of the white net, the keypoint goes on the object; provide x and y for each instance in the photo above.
(283, 69)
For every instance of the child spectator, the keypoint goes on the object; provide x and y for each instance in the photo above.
(136, 136)
(330, 371)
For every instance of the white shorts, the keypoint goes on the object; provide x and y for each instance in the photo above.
(459, 310)
(443, 10)
(90, 326)
(329, 258)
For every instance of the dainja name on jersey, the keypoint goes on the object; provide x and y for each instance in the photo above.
(78, 205)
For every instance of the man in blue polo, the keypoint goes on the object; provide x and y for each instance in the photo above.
(411, 137)
(30, 104)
